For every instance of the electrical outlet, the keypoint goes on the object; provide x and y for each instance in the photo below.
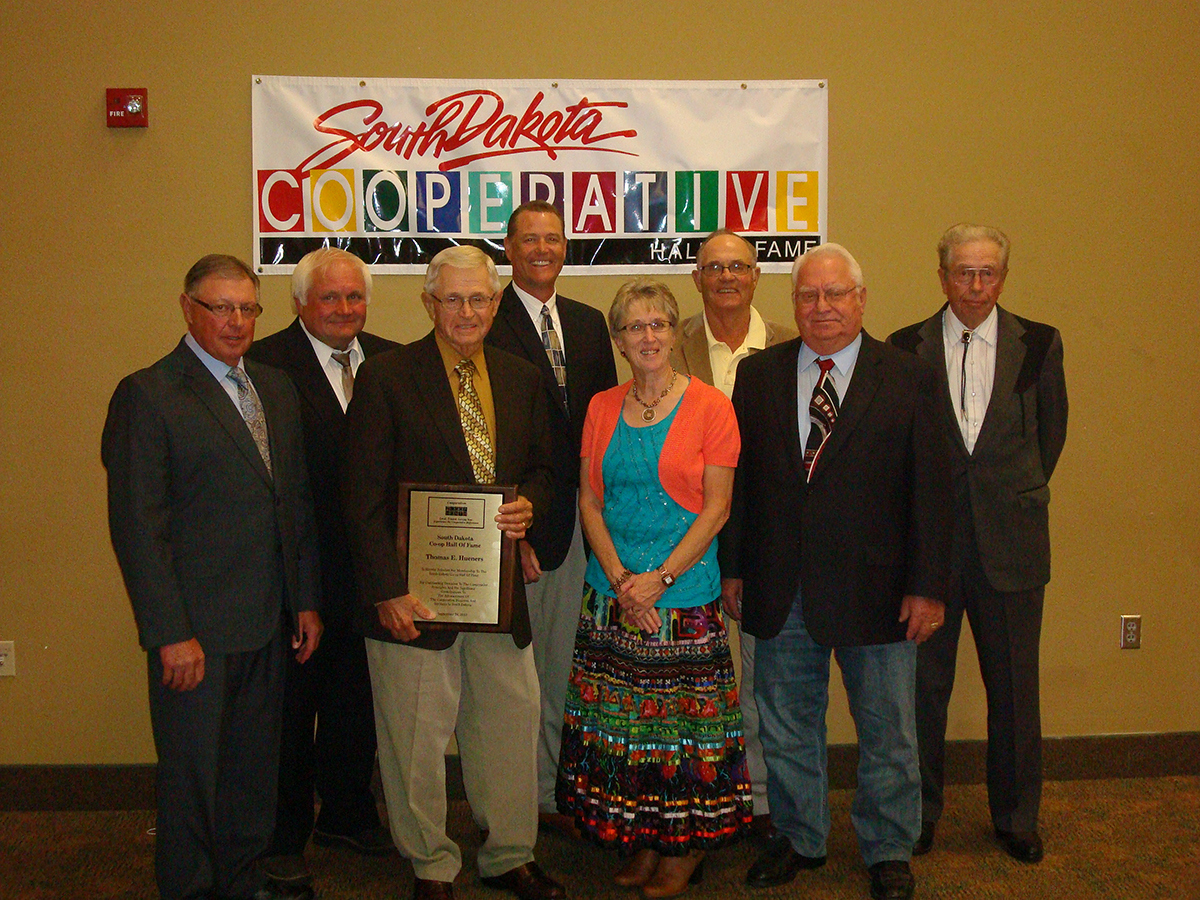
(8, 658)
(1131, 632)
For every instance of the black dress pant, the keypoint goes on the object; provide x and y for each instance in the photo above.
(328, 744)
(1007, 628)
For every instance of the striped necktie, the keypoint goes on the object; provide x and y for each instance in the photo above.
(822, 412)
(342, 358)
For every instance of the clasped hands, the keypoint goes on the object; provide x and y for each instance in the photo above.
(636, 596)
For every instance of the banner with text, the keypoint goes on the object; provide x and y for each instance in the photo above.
(394, 170)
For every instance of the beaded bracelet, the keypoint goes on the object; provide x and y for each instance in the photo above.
(621, 579)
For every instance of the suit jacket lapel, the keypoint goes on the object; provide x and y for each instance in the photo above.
(311, 381)
(784, 402)
(858, 397)
(200, 381)
(1010, 354)
(433, 388)
(515, 316)
(932, 349)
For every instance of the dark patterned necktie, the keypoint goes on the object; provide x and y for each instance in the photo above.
(474, 425)
(252, 412)
(822, 412)
(342, 358)
(554, 350)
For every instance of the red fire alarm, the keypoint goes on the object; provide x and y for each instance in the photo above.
(127, 108)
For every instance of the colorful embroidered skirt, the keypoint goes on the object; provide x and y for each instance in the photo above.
(652, 752)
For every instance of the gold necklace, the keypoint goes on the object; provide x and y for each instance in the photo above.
(648, 412)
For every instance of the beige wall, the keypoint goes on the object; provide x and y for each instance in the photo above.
(1072, 127)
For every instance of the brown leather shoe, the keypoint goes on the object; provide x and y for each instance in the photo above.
(528, 882)
(432, 890)
(674, 875)
(638, 869)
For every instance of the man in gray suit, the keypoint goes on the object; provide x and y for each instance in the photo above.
(713, 342)
(212, 523)
(1006, 417)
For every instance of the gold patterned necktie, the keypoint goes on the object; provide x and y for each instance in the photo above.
(474, 425)
(342, 358)
(252, 412)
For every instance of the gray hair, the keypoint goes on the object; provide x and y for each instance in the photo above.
(463, 257)
(965, 233)
(656, 295)
(830, 249)
(731, 233)
(218, 265)
(314, 263)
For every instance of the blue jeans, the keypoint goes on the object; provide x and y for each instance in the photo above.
(792, 690)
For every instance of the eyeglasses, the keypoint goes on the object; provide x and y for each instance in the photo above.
(966, 277)
(714, 269)
(225, 310)
(454, 303)
(832, 295)
(658, 326)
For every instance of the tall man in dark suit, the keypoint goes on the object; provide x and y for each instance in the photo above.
(328, 722)
(212, 523)
(568, 342)
(447, 410)
(712, 343)
(838, 539)
(1005, 416)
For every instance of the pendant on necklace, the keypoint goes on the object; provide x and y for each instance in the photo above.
(647, 415)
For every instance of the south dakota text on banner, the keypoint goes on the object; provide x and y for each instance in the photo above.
(395, 170)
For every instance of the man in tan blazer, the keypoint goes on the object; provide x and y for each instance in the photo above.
(711, 345)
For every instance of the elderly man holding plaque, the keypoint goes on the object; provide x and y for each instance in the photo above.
(445, 410)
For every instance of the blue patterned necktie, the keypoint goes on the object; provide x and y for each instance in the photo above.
(252, 412)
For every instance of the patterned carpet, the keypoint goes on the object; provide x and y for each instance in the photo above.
(1125, 838)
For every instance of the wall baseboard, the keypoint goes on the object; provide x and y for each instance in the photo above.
(86, 787)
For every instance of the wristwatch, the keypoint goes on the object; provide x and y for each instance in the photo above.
(667, 578)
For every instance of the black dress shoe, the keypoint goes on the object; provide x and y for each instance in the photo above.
(374, 841)
(925, 842)
(528, 882)
(432, 890)
(892, 879)
(779, 863)
(1024, 846)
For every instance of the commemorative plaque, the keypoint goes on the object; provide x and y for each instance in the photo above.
(453, 556)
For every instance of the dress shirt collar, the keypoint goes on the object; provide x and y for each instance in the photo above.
(451, 358)
(953, 329)
(843, 360)
(219, 369)
(533, 305)
(756, 337)
(325, 352)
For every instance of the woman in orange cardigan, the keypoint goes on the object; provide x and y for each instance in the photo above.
(652, 760)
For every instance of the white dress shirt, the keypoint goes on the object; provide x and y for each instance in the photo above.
(331, 367)
(980, 371)
(533, 306)
(807, 373)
